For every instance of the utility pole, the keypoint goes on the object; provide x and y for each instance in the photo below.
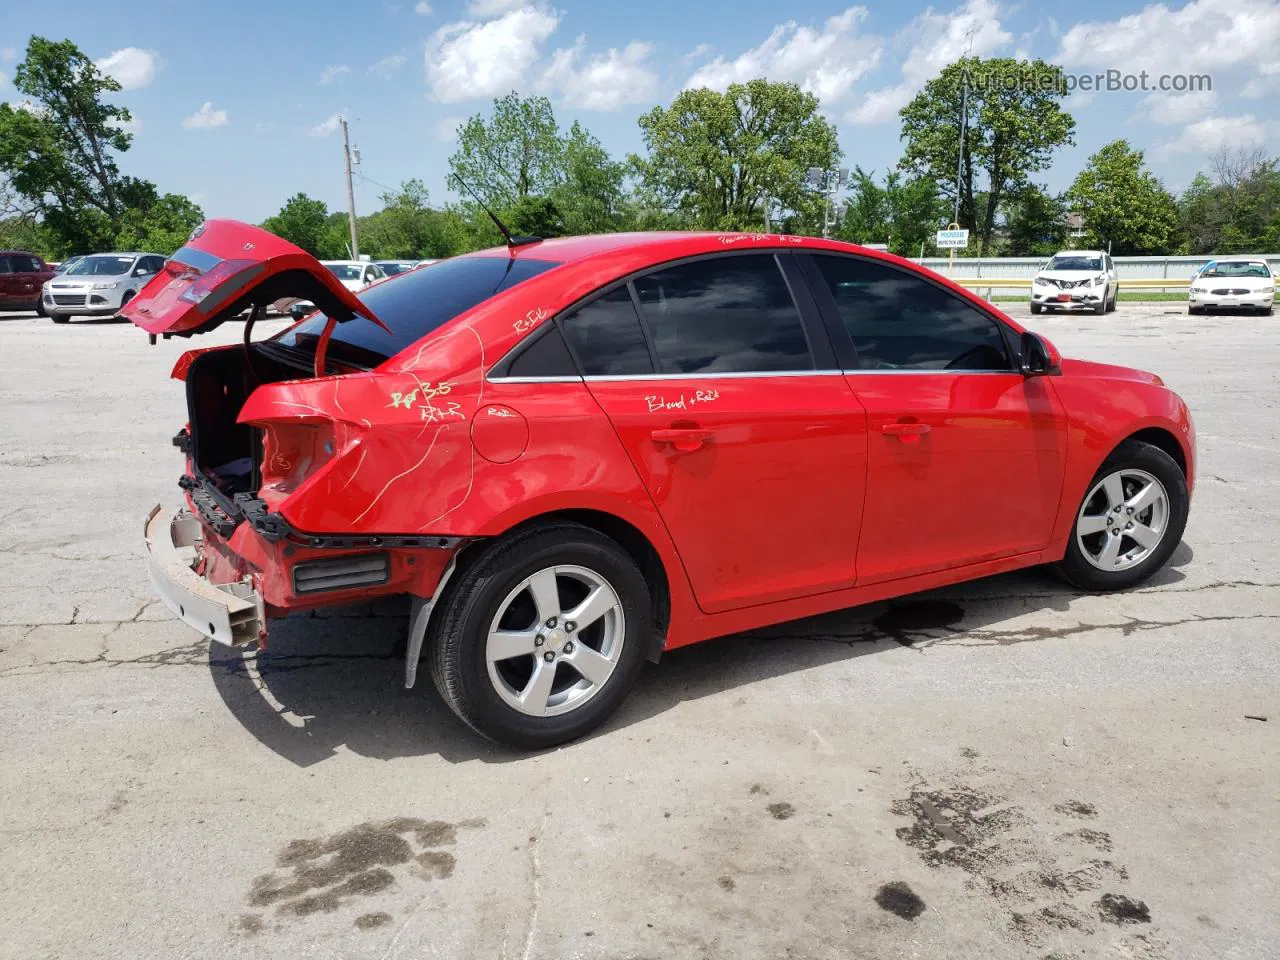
(351, 195)
(964, 122)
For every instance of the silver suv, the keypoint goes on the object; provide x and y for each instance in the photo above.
(99, 284)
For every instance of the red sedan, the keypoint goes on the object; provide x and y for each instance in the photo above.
(574, 454)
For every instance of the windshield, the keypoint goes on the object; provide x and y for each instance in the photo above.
(101, 267)
(417, 303)
(393, 267)
(1075, 263)
(1236, 270)
(344, 271)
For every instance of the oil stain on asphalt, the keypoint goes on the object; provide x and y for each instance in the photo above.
(900, 900)
(322, 875)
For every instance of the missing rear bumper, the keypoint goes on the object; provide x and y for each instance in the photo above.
(231, 613)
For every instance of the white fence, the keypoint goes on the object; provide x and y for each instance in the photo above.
(1134, 268)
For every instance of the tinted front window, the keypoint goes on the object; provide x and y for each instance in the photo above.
(723, 315)
(101, 267)
(416, 304)
(606, 336)
(898, 321)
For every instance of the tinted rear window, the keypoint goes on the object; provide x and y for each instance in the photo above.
(413, 304)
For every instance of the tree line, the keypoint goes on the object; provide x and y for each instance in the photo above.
(974, 141)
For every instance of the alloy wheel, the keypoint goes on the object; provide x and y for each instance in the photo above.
(555, 640)
(1123, 520)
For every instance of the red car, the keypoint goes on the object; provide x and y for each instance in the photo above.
(22, 277)
(574, 454)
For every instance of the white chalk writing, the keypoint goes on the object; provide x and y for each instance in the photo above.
(658, 402)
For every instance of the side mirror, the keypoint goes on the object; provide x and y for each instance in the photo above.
(1039, 358)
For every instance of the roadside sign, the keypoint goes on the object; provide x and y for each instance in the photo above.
(952, 238)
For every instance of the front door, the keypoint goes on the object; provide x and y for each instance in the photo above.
(966, 455)
(754, 457)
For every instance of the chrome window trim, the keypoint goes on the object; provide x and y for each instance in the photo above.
(746, 375)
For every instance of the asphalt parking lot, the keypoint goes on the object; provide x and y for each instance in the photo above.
(1005, 769)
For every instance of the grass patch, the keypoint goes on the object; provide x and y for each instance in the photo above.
(1134, 297)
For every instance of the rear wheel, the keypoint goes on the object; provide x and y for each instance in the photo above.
(1130, 521)
(543, 636)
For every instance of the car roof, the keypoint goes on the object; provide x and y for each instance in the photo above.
(1078, 253)
(121, 253)
(347, 263)
(1261, 260)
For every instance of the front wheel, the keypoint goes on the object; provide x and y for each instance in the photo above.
(1036, 308)
(40, 311)
(543, 636)
(1130, 521)
(60, 317)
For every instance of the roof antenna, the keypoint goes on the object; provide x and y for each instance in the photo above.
(502, 227)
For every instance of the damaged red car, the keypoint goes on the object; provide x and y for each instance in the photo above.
(574, 454)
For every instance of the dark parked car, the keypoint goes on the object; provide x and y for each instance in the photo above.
(21, 277)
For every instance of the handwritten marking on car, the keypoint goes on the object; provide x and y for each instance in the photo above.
(530, 320)
(430, 413)
(730, 239)
(428, 393)
(658, 402)
(499, 412)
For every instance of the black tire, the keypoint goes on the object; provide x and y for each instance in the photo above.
(1132, 454)
(1268, 311)
(457, 656)
(60, 317)
(1193, 311)
(1036, 308)
(1101, 308)
(1115, 295)
(40, 308)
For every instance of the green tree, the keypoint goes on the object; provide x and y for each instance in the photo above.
(1123, 204)
(59, 146)
(590, 193)
(514, 152)
(303, 222)
(406, 227)
(903, 213)
(716, 159)
(1015, 121)
(1037, 224)
(162, 226)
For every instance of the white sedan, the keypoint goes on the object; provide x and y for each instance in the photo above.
(1246, 284)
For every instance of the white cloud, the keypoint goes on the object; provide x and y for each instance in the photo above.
(1212, 133)
(825, 62)
(132, 68)
(697, 53)
(423, 8)
(493, 8)
(1208, 36)
(936, 40)
(1181, 109)
(605, 81)
(330, 74)
(327, 126)
(446, 129)
(389, 65)
(8, 53)
(4, 79)
(469, 59)
(205, 118)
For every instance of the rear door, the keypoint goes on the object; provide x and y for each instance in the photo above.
(722, 386)
(966, 456)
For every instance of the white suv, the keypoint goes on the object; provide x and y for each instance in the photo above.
(1076, 280)
(99, 284)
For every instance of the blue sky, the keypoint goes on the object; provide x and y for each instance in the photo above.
(236, 108)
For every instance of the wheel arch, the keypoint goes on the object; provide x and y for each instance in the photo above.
(626, 534)
(1161, 438)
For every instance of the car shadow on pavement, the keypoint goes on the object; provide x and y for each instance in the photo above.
(337, 682)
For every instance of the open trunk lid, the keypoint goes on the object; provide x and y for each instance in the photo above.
(226, 267)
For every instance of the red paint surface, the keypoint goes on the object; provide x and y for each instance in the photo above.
(764, 498)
